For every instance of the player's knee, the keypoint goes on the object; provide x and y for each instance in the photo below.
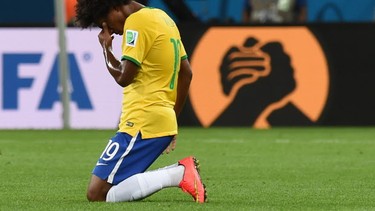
(93, 195)
(97, 189)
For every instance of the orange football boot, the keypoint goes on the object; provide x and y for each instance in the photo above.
(191, 182)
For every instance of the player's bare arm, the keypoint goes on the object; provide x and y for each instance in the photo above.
(184, 78)
(123, 72)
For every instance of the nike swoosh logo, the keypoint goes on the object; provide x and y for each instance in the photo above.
(101, 164)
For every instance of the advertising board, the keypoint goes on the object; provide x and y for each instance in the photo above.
(29, 85)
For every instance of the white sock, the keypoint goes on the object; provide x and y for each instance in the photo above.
(141, 185)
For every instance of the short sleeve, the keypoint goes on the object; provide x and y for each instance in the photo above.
(183, 52)
(137, 39)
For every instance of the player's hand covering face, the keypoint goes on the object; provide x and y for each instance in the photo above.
(105, 36)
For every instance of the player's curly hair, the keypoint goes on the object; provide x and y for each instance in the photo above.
(88, 12)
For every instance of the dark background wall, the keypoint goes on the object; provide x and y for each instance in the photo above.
(350, 53)
(27, 12)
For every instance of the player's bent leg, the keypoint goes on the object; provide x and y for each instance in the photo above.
(142, 185)
(97, 189)
(117, 174)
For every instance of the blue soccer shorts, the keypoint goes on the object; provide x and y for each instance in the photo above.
(125, 156)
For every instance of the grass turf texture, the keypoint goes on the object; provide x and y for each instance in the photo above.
(244, 169)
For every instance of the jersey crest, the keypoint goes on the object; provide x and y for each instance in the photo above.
(131, 38)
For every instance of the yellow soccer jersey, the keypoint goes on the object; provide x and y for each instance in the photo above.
(152, 41)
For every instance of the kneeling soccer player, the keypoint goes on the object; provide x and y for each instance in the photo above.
(156, 75)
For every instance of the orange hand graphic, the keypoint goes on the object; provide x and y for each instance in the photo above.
(254, 76)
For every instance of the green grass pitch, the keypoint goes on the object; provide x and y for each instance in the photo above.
(243, 168)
